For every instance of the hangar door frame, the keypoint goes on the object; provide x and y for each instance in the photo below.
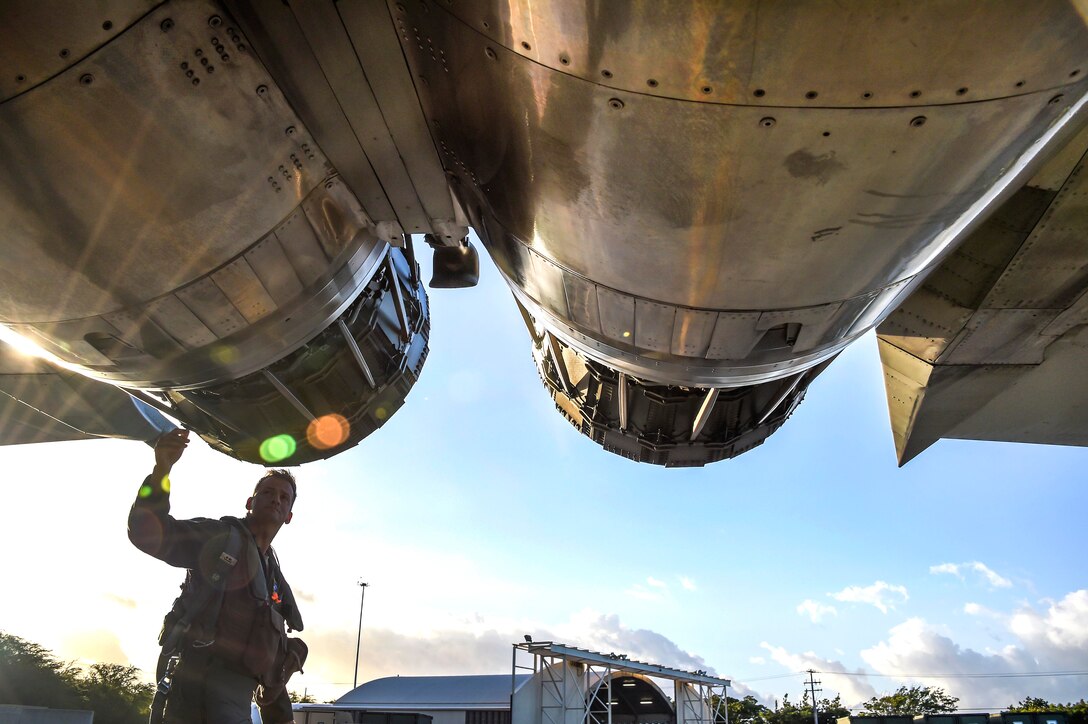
(573, 682)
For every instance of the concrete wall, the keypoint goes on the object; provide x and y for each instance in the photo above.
(40, 715)
(317, 717)
(446, 717)
(342, 717)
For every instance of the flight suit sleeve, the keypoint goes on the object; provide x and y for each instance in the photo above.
(154, 531)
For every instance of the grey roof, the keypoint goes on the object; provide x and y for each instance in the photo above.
(426, 693)
(618, 662)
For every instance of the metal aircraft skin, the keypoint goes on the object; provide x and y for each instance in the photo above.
(211, 207)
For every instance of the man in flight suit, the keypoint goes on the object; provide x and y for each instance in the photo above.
(222, 661)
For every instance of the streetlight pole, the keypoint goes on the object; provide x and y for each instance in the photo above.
(359, 634)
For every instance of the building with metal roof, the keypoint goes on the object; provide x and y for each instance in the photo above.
(483, 699)
(549, 684)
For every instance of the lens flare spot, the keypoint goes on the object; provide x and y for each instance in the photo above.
(224, 354)
(381, 413)
(145, 491)
(277, 448)
(165, 484)
(626, 334)
(328, 431)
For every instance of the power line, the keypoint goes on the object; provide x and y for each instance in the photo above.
(1011, 675)
(1015, 675)
(768, 678)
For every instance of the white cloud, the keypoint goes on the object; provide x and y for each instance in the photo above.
(853, 686)
(977, 609)
(1062, 633)
(950, 568)
(687, 583)
(604, 632)
(995, 580)
(875, 595)
(1052, 639)
(654, 590)
(472, 650)
(956, 569)
(815, 610)
(642, 594)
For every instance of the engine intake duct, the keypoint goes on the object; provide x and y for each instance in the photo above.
(330, 393)
(664, 424)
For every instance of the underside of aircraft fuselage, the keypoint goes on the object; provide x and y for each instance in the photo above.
(696, 205)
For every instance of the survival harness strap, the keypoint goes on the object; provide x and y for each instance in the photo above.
(205, 602)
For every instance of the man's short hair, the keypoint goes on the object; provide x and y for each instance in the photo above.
(280, 473)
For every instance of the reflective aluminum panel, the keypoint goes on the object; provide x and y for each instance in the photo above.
(635, 167)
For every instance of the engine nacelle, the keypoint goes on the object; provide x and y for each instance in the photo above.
(329, 394)
(710, 200)
(174, 227)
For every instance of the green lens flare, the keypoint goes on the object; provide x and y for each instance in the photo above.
(224, 354)
(277, 448)
(145, 491)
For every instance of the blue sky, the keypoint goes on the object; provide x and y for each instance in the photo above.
(478, 514)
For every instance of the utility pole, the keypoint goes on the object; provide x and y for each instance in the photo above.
(359, 635)
(812, 685)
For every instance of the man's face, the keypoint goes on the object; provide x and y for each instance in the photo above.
(272, 501)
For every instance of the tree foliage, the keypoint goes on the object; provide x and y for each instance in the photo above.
(116, 694)
(741, 711)
(911, 701)
(827, 711)
(749, 711)
(30, 675)
(303, 698)
(1075, 712)
(746, 711)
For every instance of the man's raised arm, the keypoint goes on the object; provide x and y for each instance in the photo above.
(151, 528)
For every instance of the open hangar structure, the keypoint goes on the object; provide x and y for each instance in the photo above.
(549, 683)
(575, 686)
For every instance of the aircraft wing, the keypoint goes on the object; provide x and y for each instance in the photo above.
(42, 403)
(993, 345)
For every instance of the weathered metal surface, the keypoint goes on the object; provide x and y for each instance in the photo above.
(148, 176)
(171, 221)
(45, 38)
(1051, 268)
(818, 199)
(855, 54)
(681, 194)
(990, 347)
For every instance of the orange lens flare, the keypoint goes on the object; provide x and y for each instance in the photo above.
(328, 431)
